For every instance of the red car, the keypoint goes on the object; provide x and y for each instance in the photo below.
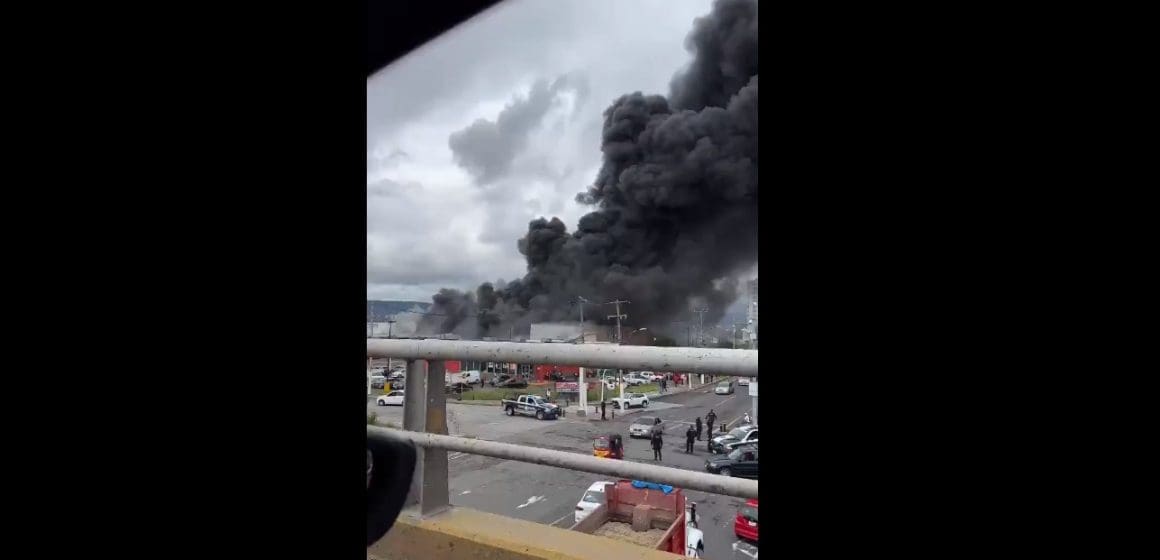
(745, 525)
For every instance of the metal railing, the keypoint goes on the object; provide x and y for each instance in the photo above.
(425, 410)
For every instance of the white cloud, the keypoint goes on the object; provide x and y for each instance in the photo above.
(429, 225)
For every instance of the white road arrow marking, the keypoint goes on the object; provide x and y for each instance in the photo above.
(530, 501)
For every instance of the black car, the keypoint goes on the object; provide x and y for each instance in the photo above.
(741, 462)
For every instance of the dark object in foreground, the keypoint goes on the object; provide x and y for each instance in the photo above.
(390, 466)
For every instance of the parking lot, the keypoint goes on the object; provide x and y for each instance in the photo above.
(548, 495)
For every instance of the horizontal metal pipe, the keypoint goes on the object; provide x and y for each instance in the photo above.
(691, 480)
(717, 361)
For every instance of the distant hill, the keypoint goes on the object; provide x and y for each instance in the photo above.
(382, 309)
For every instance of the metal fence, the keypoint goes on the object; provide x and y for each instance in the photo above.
(425, 411)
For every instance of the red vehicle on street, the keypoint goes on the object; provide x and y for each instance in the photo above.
(745, 525)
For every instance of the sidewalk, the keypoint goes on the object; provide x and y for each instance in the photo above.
(652, 396)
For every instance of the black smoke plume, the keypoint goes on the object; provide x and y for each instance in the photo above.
(675, 216)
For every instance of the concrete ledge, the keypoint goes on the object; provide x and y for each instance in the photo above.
(466, 534)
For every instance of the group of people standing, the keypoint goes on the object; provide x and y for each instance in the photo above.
(694, 431)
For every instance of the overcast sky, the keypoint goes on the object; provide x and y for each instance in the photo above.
(497, 123)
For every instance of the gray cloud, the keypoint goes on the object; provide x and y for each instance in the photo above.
(410, 242)
(486, 148)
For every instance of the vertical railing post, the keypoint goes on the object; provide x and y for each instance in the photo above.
(414, 415)
(434, 495)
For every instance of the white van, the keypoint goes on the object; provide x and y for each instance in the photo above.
(468, 377)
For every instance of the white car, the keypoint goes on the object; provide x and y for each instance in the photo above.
(651, 375)
(630, 400)
(744, 382)
(394, 398)
(593, 498)
(724, 388)
(632, 380)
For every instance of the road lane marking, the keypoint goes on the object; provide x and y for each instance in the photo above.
(530, 501)
(566, 516)
(454, 456)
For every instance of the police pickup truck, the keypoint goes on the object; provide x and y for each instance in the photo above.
(531, 405)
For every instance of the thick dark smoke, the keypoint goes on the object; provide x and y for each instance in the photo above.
(675, 202)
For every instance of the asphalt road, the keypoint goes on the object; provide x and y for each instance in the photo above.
(548, 495)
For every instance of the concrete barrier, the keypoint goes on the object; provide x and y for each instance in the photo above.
(466, 534)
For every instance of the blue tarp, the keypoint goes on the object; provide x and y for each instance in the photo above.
(652, 486)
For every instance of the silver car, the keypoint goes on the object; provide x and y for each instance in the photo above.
(724, 388)
(642, 426)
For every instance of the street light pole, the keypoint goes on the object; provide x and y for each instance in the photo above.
(622, 377)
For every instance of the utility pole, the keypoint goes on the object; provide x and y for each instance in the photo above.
(618, 317)
(583, 387)
(390, 327)
(701, 328)
(371, 320)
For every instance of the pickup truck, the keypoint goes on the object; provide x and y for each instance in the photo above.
(741, 435)
(664, 512)
(531, 405)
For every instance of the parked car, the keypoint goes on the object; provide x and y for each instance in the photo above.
(741, 462)
(737, 437)
(630, 400)
(509, 382)
(724, 388)
(394, 398)
(652, 376)
(743, 382)
(377, 381)
(397, 374)
(632, 380)
(745, 524)
(593, 498)
(642, 426)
